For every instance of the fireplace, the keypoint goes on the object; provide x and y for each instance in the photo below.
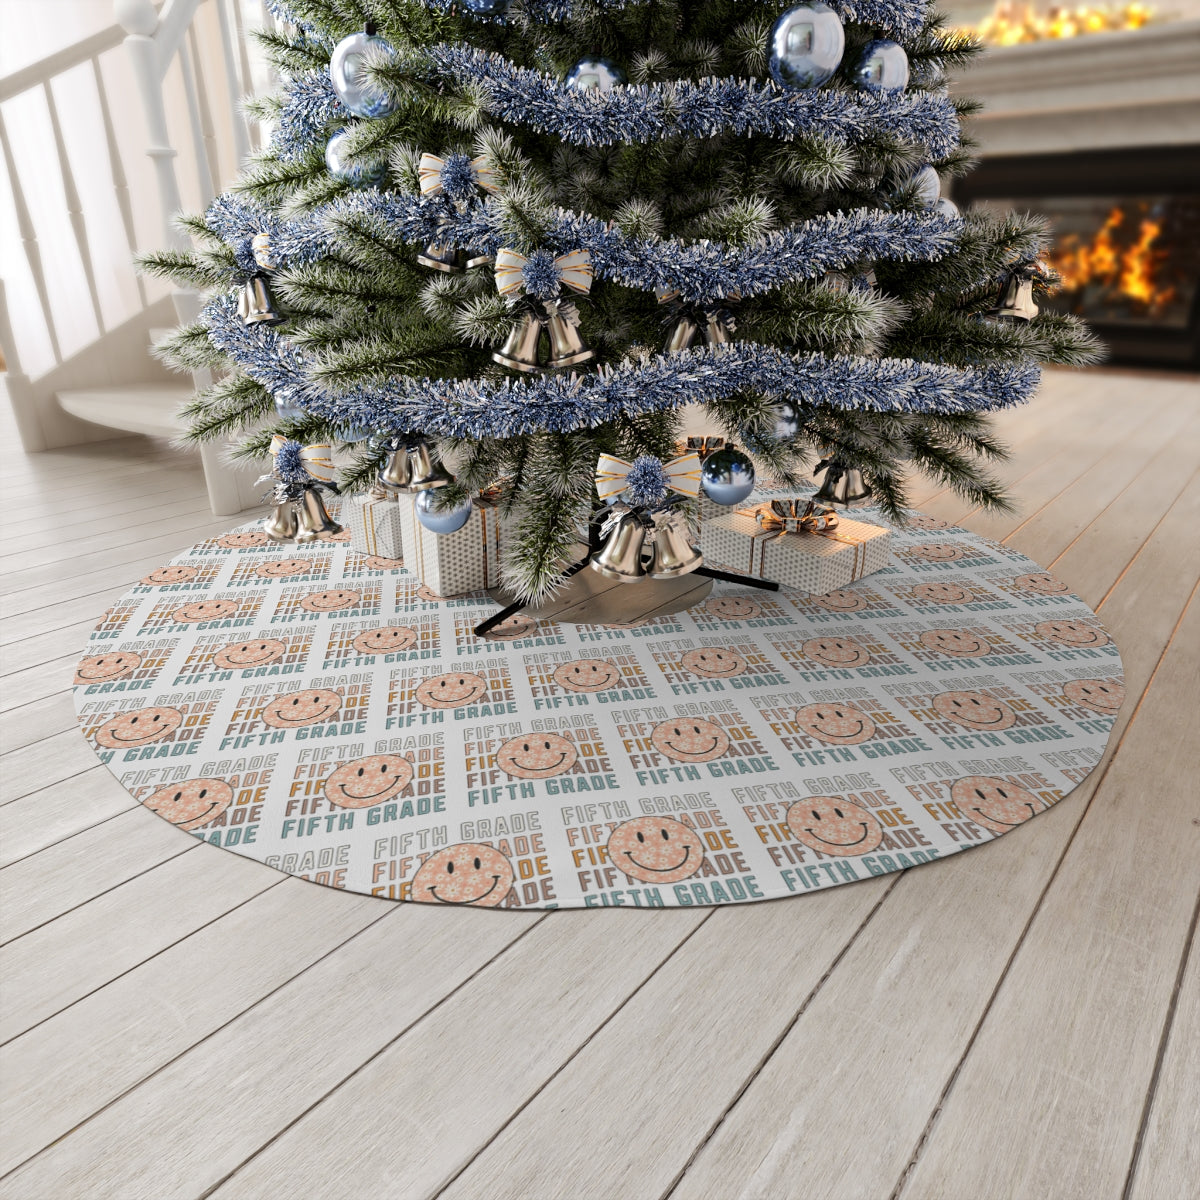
(1127, 241)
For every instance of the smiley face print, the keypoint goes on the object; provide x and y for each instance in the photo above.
(975, 710)
(714, 662)
(1104, 696)
(191, 804)
(331, 601)
(246, 540)
(511, 628)
(293, 709)
(281, 568)
(838, 724)
(937, 552)
(100, 668)
(368, 781)
(429, 595)
(205, 610)
(1072, 633)
(841, 600)
(588, 675)
(958, 643)
(469, 873)
(375, 562)
(925, 521)
(241, 656)
(690, 740)
(996, 804)
(656, 849)
(139, 728)
(452, 690)
(834, 825)
(1041, 583)
(836, 652)
(166, 575)
(941, 593)
(732, 608)
(537, 756)
(391, 639)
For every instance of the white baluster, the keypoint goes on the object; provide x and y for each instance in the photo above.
(16, 382)
(237, 87)
(196, 119)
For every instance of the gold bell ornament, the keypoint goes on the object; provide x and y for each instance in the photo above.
(256, 305)
(281, 525)
(671, 553)
(520, 349)
(315, 524)
(621, 555)
(841, 485)
(1016, 299)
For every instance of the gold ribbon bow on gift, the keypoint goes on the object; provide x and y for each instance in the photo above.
(429, 171)
(318, 458)
(574, 270)
(787, 516)
(682, 475)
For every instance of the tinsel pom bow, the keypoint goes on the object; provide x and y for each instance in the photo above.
(456, 176)
(787, 516)
(647, 479)
(298, 468)
(542, 275)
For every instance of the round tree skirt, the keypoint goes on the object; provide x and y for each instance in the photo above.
(320, 711)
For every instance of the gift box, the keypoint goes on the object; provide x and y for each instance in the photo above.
(375, 525)
(450, 564)
(710, 510)
(814, 561)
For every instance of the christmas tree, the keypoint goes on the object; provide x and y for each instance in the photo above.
(533, 232)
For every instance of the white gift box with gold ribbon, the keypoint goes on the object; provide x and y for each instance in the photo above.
(375, 524)
(813, 561)
(450, 564)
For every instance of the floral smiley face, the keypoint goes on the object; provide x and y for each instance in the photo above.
(391, 639)
(241, 656)
(841, 600)
(656, 849)
(468, 873)
(996, 804)
(975, 710)
(937, 552)
(293, 709)
(925, 521)
(102, 667)
(690, 740)
(1104, 696)
(537, 756)
(139, 728)
(192, 804)
(941, 593)
(1041, 583)
(958, 643)
(588, 675)
(366, 782)
(511, 628)
(331, 601)
(839, 724)
(834, 825)
(281, 568)
(1072, 633)
(732, 608)
(714, 662)
(452, 690)
(243, 541)
(205, 610)
(166, 575)
(836, 652)
(376, 562)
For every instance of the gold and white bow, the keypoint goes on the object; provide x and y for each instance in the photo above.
(683, 475)
(574, 270)
(317, 458)
(429, 171)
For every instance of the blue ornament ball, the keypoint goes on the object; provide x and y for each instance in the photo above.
(787, 422)
(446, 520)
(727, 476)
(883, 67)
(340, 166)
(806, 45)
(347, 70)
(595, 74)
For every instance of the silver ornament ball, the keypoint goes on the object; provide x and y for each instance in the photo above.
(946, 207)
(727, 476)
(927, 186)
(595, 75)
(806, 46)
(341, 166)
(445, 520)
(883, 67)
(487, 8)
(787, 422)
(347, 70)
(287, 408)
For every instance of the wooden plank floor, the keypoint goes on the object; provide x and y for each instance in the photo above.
(1018, 1023)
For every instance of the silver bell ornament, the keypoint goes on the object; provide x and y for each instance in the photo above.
(1016, 299)
(281, 525)
(841, 485)
(256, 305)
(395, 473)
(717, 326)
(444, 520)
(806, 46)
(727, 476)
(347, 71)
(621, 555)
(883, 67)
(595, 75)
(423, 472)
(671, 551)
(447, 259)
(520, 349)
(567, 347)
(315, 524)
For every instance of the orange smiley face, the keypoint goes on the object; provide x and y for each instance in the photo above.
(322, 602)
(391, 639)
(1104, 696)
(294, 709)
(192, 804)
(937, 552)
(714, 663)
(834, 825)
(925, 521)
(242, 541)
(205, 610)
(375, 562)
(165, 575)
(537, 757)
(429, 595)
(941, 593)
(836, 652)
(1041, 583)
(996, 804)
(280, 568)
(469, 873)
(958, 643)
(138, 728)
(102, 667)
(588, 675)
(733, 608)
(840, 724)
(690, 740)
(841, 600)
(656, 849)
(975, 710)
(1072, 633)
(451, 691)
(241, 656)
(512, 628)
(368, 781)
